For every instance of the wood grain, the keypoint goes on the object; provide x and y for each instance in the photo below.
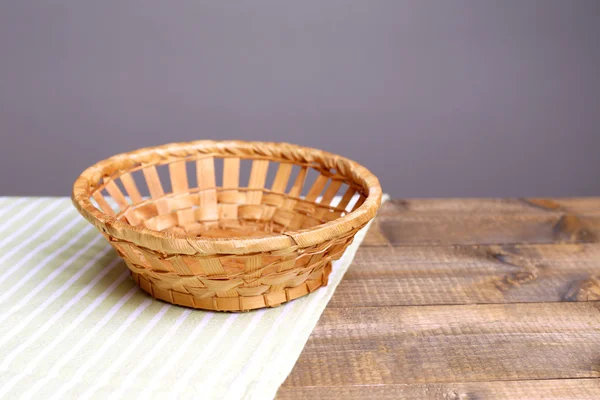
(434, 344)
(464, 299)
(486, 221)
(493, 206)
(489, 229)
(424, 275)
(574, 389)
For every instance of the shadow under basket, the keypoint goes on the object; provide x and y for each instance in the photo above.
(198, 229)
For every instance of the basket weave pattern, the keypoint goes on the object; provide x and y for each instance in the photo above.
(233, 246)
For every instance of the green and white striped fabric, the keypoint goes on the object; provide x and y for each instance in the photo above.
(74, 325)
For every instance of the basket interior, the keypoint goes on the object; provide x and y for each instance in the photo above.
(219, 196)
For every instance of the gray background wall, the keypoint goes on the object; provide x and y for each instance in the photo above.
(438, 98)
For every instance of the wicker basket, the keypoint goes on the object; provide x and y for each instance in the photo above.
(230, 247)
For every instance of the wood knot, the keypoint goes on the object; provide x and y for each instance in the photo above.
(572, 229)
(515, 279)
(457, 395)
(584, 290)
(515, 260)
(508, 259)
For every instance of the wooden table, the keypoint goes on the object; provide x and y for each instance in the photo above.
(464, 299)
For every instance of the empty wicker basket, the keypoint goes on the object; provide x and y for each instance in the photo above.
(233, 246)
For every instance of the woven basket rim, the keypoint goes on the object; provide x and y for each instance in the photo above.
(172, 243)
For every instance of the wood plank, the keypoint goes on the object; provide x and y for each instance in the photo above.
(509, 206)
(471, 206)
(485, 221)
(501, 390)
(435, 344)
(425, 275)
(410, 230)
(488, 214)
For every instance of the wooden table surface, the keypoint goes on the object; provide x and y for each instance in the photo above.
(464, 299)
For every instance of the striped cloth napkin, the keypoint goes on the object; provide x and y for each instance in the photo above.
(74, 325)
